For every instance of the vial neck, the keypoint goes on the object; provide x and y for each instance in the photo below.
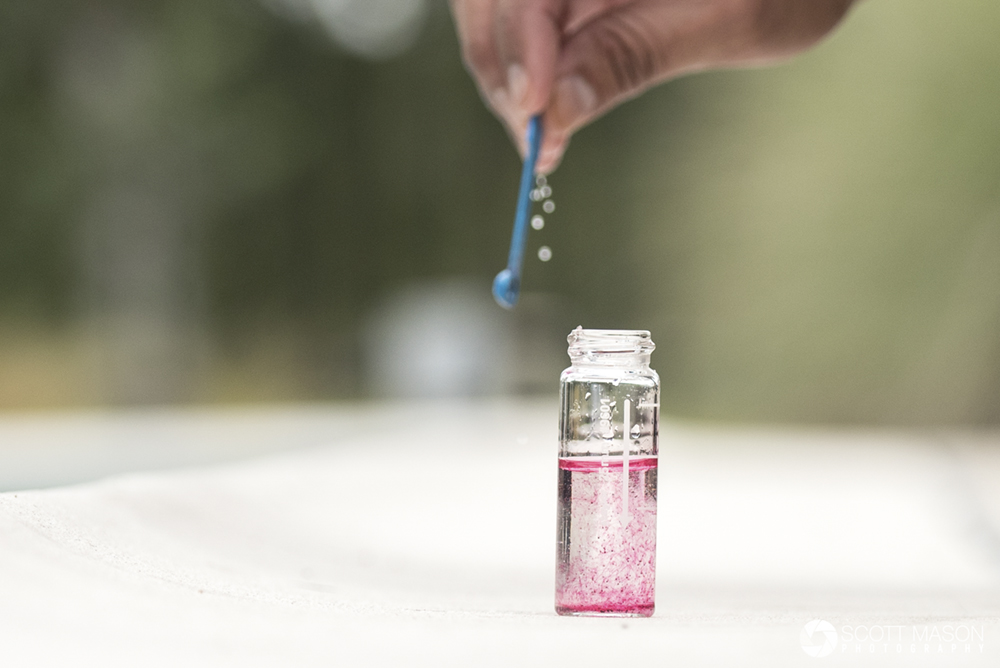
(610, 348)
(636, 361)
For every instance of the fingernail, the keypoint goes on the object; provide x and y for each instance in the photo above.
(517, 84)
(498, 98)
(575, 99)
(549, 159)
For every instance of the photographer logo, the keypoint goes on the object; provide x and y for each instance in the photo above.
(818, 638)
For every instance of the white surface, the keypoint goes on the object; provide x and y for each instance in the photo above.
(46, 449)
(425, 536)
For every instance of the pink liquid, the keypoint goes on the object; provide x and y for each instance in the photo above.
(606, 548)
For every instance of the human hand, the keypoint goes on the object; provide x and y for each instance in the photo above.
(573, 60)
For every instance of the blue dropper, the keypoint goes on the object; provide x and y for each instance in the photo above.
(507, 284)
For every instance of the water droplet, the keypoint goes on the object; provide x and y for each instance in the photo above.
(635, 430)
(587, 395)
(540, 180)
(615, 382)
(544, 253)
(549, 206)
(538, 222)
(546, 191)
(536, 195)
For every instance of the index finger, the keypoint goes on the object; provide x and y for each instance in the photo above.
(474, 25)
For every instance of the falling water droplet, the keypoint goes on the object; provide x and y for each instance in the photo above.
(549, 206)
(538, 222)
(545, 191)
(587, 395)
(540, 180)
(544, 253)
(536, 195)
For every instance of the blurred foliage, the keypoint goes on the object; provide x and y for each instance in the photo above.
(816, 241)
(836, 228)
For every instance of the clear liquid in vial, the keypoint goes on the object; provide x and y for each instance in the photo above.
(607, 536)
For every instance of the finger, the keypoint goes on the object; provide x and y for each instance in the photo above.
(552, 154)
(618, 54)
(474, 24)
(576, 14)
(614, 57)
(528, 39)
(785, 28)
(582, 12)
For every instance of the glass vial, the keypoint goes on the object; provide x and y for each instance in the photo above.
(606, 544)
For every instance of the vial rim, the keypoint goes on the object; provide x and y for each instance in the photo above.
(587, 342)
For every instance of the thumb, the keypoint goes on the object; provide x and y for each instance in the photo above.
(611, 59)
(633, 45)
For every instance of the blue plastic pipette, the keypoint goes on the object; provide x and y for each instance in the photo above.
(507, 284)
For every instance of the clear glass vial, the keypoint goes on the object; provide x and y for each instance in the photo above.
(606, 544)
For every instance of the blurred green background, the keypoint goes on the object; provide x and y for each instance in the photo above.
(284, 200)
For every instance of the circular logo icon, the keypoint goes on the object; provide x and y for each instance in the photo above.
(818, 638)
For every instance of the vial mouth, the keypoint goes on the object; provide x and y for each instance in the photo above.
(593, 343)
